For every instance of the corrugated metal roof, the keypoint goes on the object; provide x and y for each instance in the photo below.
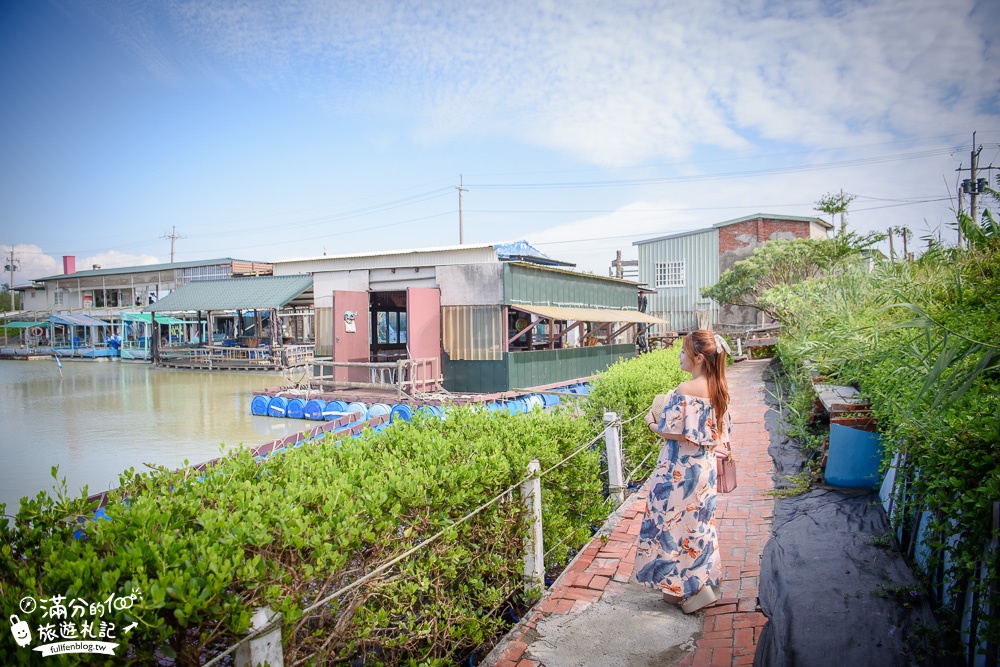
(391, 253)
(145, 268)
(78, 320)
(261, 293)
(21, 325)
(590, 314)
(773, 216)
(673, 236)
(148, 318)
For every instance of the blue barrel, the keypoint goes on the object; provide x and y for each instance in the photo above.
(314, 409)
(258, 406)
(334, 410)
(550, 400)
(854, 458)
(295, 408)
(277, 407)
(360, 408)
(533, 401)
(379, 409)
(400, 412)
(494, 405)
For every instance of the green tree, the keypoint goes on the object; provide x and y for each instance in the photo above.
(834, 203)
(5, 299)
(782, 263)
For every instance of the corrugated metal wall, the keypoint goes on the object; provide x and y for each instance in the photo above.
(542, 367)
(680, 305)
(521, 370)
(528, 285)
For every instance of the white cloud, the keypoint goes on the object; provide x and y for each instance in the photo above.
(31, 263)
(616, 83)
(113, 259)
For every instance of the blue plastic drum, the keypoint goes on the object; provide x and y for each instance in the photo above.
(258, 406)
(360, 408)
(295, 408)
(378, 410)
(314, 409)
(278, 407)
(400, 412)
(533, 401)
(334, 410)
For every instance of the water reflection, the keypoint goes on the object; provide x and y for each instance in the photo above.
(100, 418)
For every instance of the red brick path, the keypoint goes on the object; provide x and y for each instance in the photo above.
(731, 626)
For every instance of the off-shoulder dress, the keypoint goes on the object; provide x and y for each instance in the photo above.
(678, 542)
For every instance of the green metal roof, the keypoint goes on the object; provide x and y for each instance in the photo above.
(148, 318)
(26, 325)
(260, 293)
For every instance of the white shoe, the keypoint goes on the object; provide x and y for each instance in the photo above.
(702, 598)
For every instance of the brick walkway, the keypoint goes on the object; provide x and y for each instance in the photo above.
(731, 627)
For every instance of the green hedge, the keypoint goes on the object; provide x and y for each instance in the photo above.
(920, 339)
(203, 552)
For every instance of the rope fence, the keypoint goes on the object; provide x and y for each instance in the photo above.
(273, 619)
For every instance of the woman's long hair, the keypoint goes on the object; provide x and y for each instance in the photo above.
(703, 342)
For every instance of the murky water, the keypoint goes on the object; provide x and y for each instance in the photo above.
(100, 418)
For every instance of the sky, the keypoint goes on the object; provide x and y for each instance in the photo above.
(280, 130)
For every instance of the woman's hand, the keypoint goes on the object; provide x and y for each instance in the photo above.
(652, 422)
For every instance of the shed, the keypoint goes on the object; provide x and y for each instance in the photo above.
(265, 322)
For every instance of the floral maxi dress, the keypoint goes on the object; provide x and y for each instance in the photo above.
(678, 542)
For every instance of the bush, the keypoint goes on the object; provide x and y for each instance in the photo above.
(920, 339)
(204, 552)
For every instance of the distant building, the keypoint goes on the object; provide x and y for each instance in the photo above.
(127, 287)
(491, 318)
(678, 266)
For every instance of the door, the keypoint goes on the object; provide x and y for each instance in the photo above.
(350, 334)
(423, 334)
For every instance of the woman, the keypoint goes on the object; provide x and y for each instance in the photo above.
(678, 543)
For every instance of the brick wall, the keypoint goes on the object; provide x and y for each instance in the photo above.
(738, 241)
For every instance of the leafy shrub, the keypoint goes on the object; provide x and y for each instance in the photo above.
(205, 552)
(920, 339)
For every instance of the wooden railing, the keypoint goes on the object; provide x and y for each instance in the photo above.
(406, 376)
(235, 358)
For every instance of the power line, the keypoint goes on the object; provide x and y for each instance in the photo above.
(720, 176)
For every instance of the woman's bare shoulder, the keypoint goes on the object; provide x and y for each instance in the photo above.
(692, 388)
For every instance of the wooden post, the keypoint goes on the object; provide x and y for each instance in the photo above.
(263, 650)
(534, 553)
(613, 445)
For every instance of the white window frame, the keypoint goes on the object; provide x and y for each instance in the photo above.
(670, 274)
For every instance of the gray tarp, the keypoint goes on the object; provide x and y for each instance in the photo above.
(834, 589)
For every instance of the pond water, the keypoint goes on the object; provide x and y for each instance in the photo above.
(100, 418)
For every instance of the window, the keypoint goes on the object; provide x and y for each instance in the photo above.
(670, 274)
(57, 297)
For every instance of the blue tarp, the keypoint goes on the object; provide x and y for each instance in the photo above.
(518, 249)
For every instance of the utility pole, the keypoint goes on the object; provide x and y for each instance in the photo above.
(173, 236)
(461, 223)
(974, 165)
(11, 267)
(892, 250)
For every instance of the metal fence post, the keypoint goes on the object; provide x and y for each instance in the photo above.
(263, 650)
(534, 552)
(613, 444)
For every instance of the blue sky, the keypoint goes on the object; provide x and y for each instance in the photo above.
(276, 130)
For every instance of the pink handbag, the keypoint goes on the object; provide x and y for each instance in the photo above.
(725, 466)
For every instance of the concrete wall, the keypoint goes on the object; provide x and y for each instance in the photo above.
(471, 284)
